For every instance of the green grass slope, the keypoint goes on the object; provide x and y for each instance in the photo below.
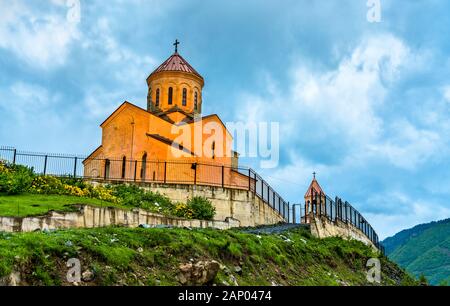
(26, 205)
(121, 256)
(424, 249)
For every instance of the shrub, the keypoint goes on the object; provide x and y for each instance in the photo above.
(15, 179)
(182, 210)
(202, 208)
(104, 194)
(47, 185)
(131, 195)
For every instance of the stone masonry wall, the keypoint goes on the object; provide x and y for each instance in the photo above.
(93, 217)
(238, 204)
(321, 227)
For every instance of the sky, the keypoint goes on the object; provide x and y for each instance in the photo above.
(365, 105)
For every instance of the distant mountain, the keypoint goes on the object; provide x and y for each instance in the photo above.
(423, 249)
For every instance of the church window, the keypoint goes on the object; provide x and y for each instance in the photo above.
(144, 166)
(184, 96)
(213, 148)
(157, 97)
(124, 164)
(107, 168)
(170, 97)
(195, 101)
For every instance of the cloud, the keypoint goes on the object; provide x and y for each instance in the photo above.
(343, 124)
(40, 38)
(408, 146)
(446, 92)
(334, 109)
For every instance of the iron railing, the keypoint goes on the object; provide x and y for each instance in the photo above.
(337, 210)
(149, 171)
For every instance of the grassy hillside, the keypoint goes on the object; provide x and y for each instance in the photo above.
(119, 256)
(26, 205)
(424, 249)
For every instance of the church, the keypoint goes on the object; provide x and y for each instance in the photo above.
(170, 138)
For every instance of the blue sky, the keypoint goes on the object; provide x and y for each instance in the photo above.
(366, 105)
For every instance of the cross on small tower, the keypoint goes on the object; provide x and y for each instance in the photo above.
(314, 173)
(176, 45)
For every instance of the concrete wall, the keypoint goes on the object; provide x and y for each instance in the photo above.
(238, 204)
(321, 227)
(92, 217)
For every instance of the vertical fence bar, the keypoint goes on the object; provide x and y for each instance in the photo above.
(165, 172)
(250, 179)
(14, 156)
(45, 164)
(75, 167)
(195, 174)
(223, 176)
(135, 169)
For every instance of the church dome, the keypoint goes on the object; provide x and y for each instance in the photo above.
(175, 86)
(176, 63)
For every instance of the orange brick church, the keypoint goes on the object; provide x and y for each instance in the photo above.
(169, 139)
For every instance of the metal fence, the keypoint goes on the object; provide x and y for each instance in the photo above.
(149, 171)
(337, 210)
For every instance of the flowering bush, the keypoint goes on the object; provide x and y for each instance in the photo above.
(103, 193)
(15, 179)
(54, 185)
(76, 191)
(47, 185)
(183, 210)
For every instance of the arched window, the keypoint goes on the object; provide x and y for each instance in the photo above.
(195, 101)
(157, 97)
(107, 168)
(184, 96)
(124, 165)
(144, 167)
(170, 96)
(149, 98)
(213, 148)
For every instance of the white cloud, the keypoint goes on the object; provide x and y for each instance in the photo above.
(413, 212)
(344, 107)
(409, 146)
(446, 92)
(42, 39)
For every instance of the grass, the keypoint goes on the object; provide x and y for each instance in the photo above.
(26, 205)
(122, 256)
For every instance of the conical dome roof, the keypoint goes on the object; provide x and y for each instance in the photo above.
(176, 63)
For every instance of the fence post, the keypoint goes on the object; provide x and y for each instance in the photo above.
(273, 193)
(45, 164)
(165, 172)
(262, 189)
(75, 167)
(195, 174)
(135, 170)
(293, 214)
(331, 210)
(223, 176)
(255, 182)
(345, 207)
(288, 212)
